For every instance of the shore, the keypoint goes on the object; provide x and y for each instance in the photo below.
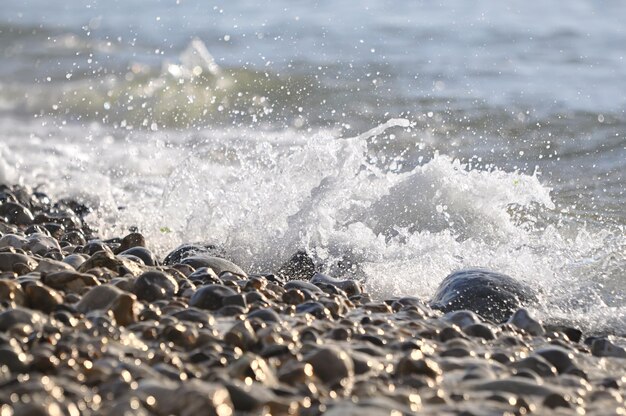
(106, 327)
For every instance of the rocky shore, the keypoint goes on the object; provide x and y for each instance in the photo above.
(91, 326)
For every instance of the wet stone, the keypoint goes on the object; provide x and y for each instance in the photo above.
(522, 319)
(15, 213)
(69, 281)
(74, 260)
(479, 331)
(349, 286)
(211, 297)
(188, 250)
(241, 335)
(555, 400)
(537, 364)
(299, 267)
(332, 365)
(415, 364)
(10, 261)
(204, 276)
(155, 285)
(302, 285)
(217, 264)
(314, 308)
(74, 237)
(492, 295)
(20, 316)
(12, 292)
(293, 297)
(265, 315)
(42, 298)
(560, 358)
(603, 347)
(130, 241)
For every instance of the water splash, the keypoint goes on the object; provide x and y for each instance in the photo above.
(262, 195)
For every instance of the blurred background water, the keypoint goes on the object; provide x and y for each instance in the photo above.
(240, 122)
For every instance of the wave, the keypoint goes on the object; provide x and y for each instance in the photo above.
(188, 92)
(264, 194)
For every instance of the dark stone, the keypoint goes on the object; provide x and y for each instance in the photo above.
(55, 230)
(204, 276)
(36, 229)
(149, 259)
(211, 297)
(492, 295)
(314, 308)
(217, 264)
(573, 334)
(479, 331)
(75, 238)
(265, 315)
(349, 286)
(299, 267)
(560, 358)
(65, 217)
(130, 241)
(189, 250)
(93, 247)
(302, 285)
(155, 285)
(78, 207)
(16, 214)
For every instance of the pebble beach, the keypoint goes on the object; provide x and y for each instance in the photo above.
(106, 327)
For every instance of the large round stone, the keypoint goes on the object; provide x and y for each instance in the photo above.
(492, 295)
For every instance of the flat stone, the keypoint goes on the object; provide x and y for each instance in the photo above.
(188, 250)
(51, 266)
(70, 281)
(217, 264)
(109, 261)
(349, 286)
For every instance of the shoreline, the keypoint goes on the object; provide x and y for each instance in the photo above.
(118, 330)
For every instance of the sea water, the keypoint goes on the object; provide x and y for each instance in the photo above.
(405, 140)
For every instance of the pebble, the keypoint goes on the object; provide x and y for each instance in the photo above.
(86, 331)
(41, 297)
(154, 285)
(349, 286)
(69, 281)
(188, 250)
(217, 264)
(522, 320)
(211, 297)
(332, 365)
(603, 347)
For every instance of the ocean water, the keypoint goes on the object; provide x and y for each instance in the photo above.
(405, 139)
